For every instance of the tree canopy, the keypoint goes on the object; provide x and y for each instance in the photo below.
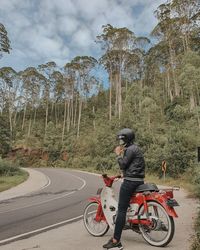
(4, 41)
(153, 88)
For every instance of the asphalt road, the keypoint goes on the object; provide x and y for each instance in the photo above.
(64, 198)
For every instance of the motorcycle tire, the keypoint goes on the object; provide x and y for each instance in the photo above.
(94, 227)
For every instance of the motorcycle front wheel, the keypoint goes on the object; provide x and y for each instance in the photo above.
(95, 228)
(161, 232)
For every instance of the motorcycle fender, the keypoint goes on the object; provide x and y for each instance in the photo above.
(170, 210)
(95, 199)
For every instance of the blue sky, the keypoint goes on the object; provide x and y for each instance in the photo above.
(58, 30)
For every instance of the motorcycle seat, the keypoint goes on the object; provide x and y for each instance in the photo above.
(147, 187)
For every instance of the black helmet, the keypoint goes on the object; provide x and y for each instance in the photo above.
(126, 135)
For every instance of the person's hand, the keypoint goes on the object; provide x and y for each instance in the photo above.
(118, 150)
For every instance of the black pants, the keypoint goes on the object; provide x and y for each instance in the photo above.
(126, 191)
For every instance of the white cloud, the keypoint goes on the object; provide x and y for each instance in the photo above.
(92, 9)
(46, 30)
(8, 5)
(67, 24)
(82, 38)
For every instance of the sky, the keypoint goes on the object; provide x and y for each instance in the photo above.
(58, 30)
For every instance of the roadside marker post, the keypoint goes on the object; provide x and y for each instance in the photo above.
(164, 168)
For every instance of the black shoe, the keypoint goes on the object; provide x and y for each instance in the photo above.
(126, 227)
(110, 245)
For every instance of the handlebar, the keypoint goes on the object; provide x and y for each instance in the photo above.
(109, 180)
(112, 177)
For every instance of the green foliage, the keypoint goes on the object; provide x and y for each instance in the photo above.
(196, 182)
(5, 137)
(4, 41)
(159, 98)
(196, 179)
(52, 144)
(8, 168)
(154, 92)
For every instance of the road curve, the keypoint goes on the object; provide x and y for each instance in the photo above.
(74, 236)
(62, 199)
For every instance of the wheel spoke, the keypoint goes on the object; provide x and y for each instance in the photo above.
(96, 228)
(160, 231)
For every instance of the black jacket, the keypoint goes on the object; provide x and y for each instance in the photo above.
(132, 163)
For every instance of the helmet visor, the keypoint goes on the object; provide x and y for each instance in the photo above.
(121, 142)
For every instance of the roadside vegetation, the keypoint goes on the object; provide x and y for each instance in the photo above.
(196, 241)
(68, 117)
(10, 175)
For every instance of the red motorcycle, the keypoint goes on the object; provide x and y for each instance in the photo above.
(150, 213)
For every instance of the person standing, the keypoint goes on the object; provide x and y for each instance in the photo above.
(132, 164)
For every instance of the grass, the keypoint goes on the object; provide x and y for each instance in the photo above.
(7, 182)
(196, 238)
(182, 182)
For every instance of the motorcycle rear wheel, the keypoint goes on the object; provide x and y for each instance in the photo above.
(95, 228)
(162, 232)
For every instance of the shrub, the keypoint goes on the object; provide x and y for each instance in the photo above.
(8, 168)
(196, 241)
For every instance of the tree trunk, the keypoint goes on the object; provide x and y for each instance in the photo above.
(120, 96)
(149, 121)
(34, 119)
(198, 119)
(169, 87)
(172, 63)
(46, 117)
(10, 121)
(110, 97)
(94, 124)
(68, 115)
(79, 117)
(116, 93)
(72, 107)
(192, 101)
(15, 118)
(126, 88)
(24, 116)
(197, 94)
(64, 120)
(52, 107)
(75, 110)
(29, 127)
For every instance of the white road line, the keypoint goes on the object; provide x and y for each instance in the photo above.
(45, 186)
(48, 227)
(39, 230)
(48, 183)
(43, 202)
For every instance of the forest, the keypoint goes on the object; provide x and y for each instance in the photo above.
(68, 117)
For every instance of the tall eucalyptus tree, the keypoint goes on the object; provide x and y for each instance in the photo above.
(32, 82)
(119, 46)
(4, 41)
(47, 70)
(83, 66)
(187, 13)
(9, 84)
(71, 87)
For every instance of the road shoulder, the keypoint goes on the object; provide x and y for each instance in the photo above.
(75, 236)
(35, 182)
